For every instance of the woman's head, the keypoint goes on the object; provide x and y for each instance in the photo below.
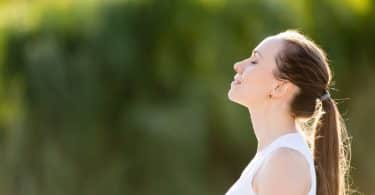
(286, 67)
(255, 80)
(290, 70)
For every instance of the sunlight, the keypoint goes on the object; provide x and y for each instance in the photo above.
(361, 7)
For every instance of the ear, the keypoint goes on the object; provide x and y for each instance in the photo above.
(280, 88)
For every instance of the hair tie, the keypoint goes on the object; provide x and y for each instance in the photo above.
(325, 96)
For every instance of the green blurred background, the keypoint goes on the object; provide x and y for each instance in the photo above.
(130, 97)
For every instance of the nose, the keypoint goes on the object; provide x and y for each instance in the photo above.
(237, 66)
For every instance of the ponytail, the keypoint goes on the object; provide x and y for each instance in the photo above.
(331, 150)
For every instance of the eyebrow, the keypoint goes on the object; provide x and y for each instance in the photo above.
(256, 51)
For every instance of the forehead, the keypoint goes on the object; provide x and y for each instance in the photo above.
(269, 47)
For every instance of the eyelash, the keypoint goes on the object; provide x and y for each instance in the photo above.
(253, 62)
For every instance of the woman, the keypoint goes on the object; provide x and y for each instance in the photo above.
(303, 146)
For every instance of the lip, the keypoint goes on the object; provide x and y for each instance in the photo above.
(236, 79)
(236, 82)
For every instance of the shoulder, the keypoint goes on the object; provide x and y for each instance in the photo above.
(287, 171)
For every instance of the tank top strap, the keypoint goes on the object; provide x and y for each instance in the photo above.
(294, 141)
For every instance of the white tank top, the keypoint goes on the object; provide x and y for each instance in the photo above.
(294, 141)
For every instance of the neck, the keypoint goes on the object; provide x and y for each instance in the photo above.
(269, 123)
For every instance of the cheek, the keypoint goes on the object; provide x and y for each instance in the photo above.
(257, 82)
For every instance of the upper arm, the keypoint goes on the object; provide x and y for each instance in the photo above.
(285, 172)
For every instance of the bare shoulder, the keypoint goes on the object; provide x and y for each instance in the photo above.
(285, 171)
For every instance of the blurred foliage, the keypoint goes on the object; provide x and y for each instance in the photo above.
(130, 97)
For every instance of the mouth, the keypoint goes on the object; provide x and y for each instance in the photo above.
(236, 80)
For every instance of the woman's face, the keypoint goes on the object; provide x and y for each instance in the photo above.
(254, 80)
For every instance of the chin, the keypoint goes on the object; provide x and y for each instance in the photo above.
(234, 99)
(231, 95)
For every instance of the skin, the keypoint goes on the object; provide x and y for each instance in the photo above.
(286, 171)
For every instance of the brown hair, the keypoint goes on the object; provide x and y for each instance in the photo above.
(305, 64)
